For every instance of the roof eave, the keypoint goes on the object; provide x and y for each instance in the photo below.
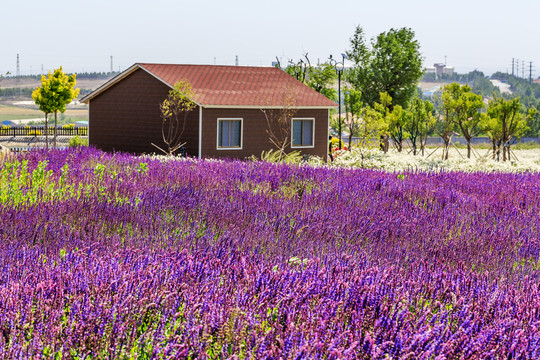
(267, 107)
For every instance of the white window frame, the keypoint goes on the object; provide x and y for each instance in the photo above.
(241, 134)
(312, 134)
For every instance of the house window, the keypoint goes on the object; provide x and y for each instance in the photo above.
(302, 132)
(229, 134)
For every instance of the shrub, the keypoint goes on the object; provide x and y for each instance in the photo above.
(77, 141)
(68, 126)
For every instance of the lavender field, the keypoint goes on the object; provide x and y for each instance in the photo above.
(111, 256)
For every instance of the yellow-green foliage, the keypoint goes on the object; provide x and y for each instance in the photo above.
(294, 157)
(19, 186)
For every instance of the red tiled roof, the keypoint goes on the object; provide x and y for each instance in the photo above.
(241, 86)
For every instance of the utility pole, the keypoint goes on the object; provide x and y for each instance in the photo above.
(530, 72)
(18, 67)
(517, 67)
(512, 66)
(42, 69)
(236, 62)
(112, 69)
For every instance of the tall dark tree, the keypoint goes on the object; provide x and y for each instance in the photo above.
(390, 64)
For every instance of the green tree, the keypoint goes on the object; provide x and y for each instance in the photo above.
(396, 118)
(174, 111)
(466, 107)
(392, 64)
(445, 124)
(318, 77)
(505, 121)
(56, 91)
(371, 126)
(420, 121)
(352, 99)
(41, 97)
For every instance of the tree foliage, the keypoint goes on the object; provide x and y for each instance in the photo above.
(352, 100)
(390, 64)
(174, 111)
(465, 107)
(421, 120)
(505, 121)
(396, 117)
(57, 90)
(445, 124)
(318, 77)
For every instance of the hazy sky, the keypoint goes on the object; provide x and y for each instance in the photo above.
(82, 35)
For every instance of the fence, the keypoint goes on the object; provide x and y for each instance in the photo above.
(479, 140)
(457, 139)
(40, 130)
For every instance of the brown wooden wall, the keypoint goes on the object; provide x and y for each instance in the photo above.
(126, 117)
(255, 138)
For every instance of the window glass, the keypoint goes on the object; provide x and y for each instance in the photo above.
(229, 133)
(307, 132)
(302, 132)
(297, 133)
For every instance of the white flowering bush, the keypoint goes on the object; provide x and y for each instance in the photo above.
(525, 160)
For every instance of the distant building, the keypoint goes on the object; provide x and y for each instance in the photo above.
(440, 69)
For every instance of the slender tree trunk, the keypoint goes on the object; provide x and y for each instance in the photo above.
(468, 148)
(413, 144)
(54, 130)
(446, 148)
(46, 132)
